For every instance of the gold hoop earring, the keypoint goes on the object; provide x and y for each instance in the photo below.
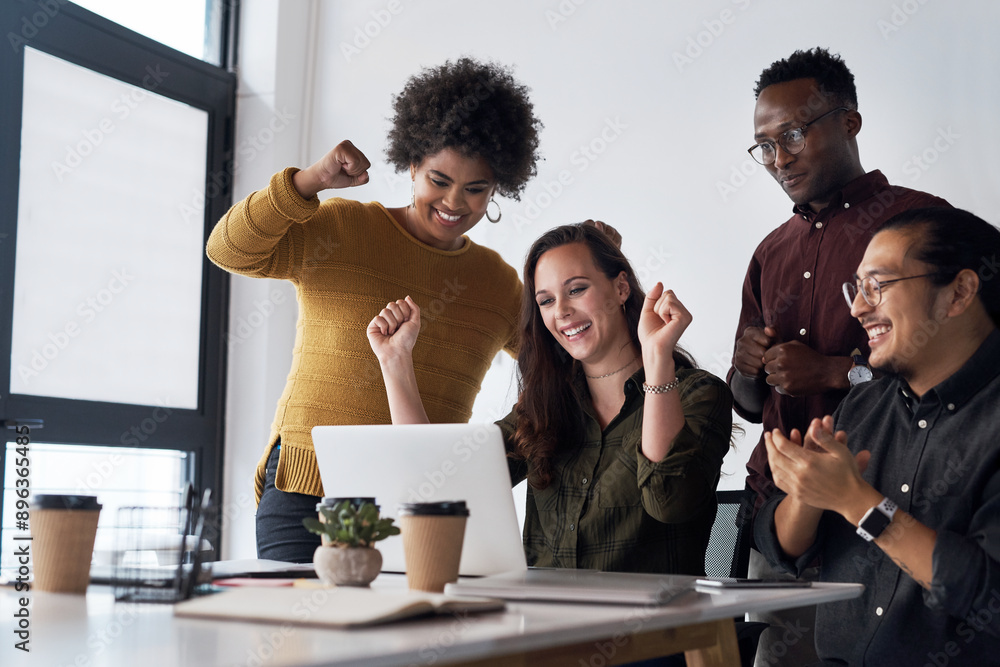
(499, 212)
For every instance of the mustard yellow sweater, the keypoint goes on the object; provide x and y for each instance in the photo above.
(347, 260)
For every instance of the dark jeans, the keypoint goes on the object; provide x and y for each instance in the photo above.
(280, 533)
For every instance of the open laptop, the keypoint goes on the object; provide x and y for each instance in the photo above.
(429, 462)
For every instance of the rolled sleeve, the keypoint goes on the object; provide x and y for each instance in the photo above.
(766, 539)
(966, 573)
(684, 481)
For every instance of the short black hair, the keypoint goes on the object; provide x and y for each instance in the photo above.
(951, 240)
(828, 69)
(475, 108)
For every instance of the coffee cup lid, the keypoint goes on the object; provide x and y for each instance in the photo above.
(443, 508)
(65, 502)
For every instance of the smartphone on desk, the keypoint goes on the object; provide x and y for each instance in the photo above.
(716, 583)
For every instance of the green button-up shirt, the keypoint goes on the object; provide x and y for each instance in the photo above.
(610, 508)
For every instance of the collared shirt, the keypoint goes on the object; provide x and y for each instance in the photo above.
(938, 458)
(794, 284)
(610, 508)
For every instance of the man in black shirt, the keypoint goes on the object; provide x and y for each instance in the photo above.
(900, 489)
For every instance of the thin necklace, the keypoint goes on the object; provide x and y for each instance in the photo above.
(607, 375)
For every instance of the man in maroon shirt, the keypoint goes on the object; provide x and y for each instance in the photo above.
(797, 343)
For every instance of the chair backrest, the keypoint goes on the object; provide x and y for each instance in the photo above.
(728, 551)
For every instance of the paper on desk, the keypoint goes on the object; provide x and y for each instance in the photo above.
(329, 607)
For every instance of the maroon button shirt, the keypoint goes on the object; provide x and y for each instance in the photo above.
(794, 284)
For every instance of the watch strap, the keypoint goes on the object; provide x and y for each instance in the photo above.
(877, 519)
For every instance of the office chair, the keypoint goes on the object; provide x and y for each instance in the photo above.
(728, 555)
(728, 551)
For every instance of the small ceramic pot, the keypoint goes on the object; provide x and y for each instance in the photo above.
(347, 566)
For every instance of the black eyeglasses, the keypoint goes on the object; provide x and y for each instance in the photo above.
(791, 141)
(871, 289)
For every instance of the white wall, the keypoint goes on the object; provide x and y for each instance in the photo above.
(662, 92)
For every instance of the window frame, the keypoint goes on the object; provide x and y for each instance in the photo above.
(81, 37)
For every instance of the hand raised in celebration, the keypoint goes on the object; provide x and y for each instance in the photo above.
(393, 332)
(343, 167)
(664, 318)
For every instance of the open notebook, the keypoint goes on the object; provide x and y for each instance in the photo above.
(327, 607)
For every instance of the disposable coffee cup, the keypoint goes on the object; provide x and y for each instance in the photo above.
(432, 542)
(63, 529)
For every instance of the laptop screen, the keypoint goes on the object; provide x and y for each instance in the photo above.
(426, 463)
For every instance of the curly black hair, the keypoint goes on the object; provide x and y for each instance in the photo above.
(476, 108)
(829, 71)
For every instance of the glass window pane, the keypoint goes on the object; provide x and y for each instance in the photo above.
(118, 476)
(110, 240)
(180, 24)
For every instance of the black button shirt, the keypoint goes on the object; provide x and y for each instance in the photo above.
(938, 458)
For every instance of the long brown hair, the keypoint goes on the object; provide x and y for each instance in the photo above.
(548, 409)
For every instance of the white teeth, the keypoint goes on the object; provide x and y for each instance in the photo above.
(573, 332)
(449, 218)
(878, 331)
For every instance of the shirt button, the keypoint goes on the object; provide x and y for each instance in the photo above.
(584, 480)
(572, 526)
(802, 332)
(922, 423)
(878, 611)
(807, 275)
(905, 488)
(819, 225)
(951, 406)
(847, 205)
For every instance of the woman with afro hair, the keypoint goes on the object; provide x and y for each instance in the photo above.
(466, 132)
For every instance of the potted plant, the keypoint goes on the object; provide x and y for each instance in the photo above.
(349, 531)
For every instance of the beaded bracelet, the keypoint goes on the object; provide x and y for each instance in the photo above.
(659, 388)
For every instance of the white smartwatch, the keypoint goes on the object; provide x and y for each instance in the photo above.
(877, 519)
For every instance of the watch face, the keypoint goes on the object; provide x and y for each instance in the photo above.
(859, 374)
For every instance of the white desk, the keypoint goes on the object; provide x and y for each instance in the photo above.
(94, 631)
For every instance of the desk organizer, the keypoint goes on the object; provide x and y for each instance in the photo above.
(159, 551)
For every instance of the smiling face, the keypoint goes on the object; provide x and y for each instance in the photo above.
(582, 308)
(450, 194)
(829, 160)
(902, 328)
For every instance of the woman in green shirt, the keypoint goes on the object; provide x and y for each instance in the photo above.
(620, 437)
